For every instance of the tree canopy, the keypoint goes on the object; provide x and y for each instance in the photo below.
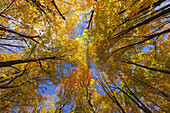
(96, 56)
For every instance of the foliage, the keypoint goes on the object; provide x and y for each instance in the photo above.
(100, 55)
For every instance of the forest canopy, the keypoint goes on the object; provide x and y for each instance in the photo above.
(84, 56)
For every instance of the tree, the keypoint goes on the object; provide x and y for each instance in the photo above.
(102, 55)
(134, 78)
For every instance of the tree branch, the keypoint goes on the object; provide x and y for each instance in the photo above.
(140, 24)
(153, 69)
(58, 9)
(12, 45)
(138, 43)
(7, 7)
(22, 35)
(13, 62)
(17, 76)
